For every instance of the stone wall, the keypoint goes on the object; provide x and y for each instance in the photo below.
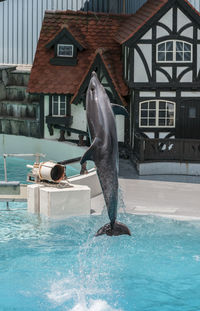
(19, 111)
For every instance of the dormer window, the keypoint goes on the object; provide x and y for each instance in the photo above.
(65, 50)
(174, 51)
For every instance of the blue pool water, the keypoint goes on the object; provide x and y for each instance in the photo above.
(50, 265)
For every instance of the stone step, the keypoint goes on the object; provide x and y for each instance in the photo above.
(18, 93)
(19, 77)
(22, 127)
(19, 109)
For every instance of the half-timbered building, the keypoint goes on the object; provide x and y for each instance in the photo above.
(71, 46)
(162, 70)
(148, 61)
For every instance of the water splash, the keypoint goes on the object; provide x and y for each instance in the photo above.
(95, 305)
(88, 285)
(121, 204)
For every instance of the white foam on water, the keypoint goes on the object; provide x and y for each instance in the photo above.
(94, 305)
(81, 289)
(61, 292)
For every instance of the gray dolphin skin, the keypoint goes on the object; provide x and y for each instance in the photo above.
(104, 150)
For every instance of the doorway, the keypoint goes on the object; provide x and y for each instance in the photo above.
(190, 119)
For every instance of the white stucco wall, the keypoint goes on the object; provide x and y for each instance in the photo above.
(79, 120)
(140, 74)
(167, 19)
(120, 127)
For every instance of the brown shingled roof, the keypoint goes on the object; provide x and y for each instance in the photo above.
(93, 31)
(137, 20)
(134, 22)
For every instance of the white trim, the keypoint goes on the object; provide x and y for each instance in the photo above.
(167, 94)
(71, 45)
(157, 114)
(147, 94)
(174, 52)
(190, 94)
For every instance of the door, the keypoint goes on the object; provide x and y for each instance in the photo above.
(190, 119)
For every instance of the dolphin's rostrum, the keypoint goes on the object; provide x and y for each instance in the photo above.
(104, 150)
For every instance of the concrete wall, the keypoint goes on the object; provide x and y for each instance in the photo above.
(169, 168)
(54, 150)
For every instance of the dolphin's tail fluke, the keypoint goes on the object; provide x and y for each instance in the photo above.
(117, 229)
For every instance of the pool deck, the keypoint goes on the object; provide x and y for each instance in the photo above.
(171, 196)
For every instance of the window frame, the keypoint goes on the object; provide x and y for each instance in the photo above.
(157, 110)
(59, 107)
(174, 51)
(66, 56)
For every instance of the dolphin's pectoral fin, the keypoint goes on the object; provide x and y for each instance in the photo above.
(117, 109)
(118, 229)
(88, 155)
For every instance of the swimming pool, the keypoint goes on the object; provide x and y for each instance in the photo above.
(51, 265)
(60, 265)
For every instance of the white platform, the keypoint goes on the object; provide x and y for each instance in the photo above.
(91, 180)
(33, 198)
(59, 203)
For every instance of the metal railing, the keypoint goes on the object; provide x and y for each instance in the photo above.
(37, 159)
(20, 155)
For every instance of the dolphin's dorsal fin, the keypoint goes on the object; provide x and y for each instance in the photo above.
(117, 109)
(88, 155)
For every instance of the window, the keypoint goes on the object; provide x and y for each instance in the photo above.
(65, 50)
(59, 105)
(157, 113)
(174, 51)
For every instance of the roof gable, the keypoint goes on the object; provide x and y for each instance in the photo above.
(138, 24)
(94, 32)
(64, 32)
(100, 61)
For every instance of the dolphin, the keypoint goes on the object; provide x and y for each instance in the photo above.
(104, 150)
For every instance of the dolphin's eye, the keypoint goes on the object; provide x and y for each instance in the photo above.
(92, 88)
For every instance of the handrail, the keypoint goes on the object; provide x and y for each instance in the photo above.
(65, 162)
(72, 130)
(36, 155)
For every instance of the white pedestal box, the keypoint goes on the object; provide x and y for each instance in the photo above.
(33, 198)
(63, 203)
